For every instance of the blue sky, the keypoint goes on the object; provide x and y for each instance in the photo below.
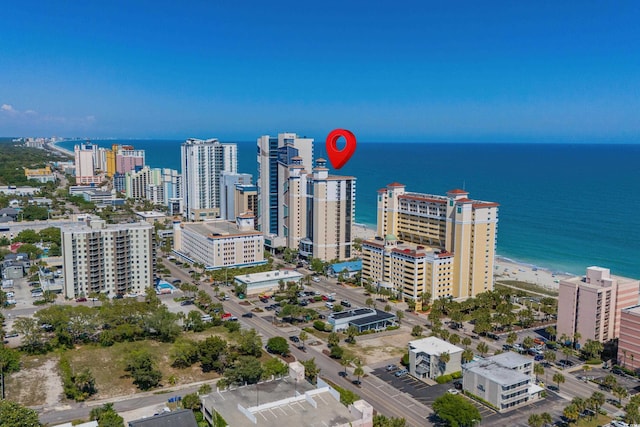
(432, 71)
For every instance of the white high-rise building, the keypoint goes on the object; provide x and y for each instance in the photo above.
(203, 161)
(228, 181)
(109, 259)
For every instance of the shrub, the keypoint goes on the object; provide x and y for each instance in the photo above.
(456, 375)
(319, 325)
(393, 328)
(442, 379)
(405, 359)
(347, 397)
(593, 362)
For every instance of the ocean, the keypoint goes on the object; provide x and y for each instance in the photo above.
(562, 206)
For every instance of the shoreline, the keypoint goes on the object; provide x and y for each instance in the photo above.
(54, 147)
(505, 268)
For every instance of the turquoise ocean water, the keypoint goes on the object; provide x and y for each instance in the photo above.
(562, 206)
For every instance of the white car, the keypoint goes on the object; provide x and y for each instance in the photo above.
(316, 279)
(453, 391)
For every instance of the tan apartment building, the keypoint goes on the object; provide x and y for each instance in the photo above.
(220, 243)
(447, 243)
(107, 258)
(591, 305)
(246, 199)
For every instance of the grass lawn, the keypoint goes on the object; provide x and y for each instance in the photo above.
(594, 422)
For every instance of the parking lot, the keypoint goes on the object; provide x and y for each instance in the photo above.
(597, 374)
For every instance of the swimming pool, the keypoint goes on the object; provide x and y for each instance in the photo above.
(162, 284)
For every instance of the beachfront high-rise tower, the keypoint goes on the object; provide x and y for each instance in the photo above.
(440, 245)
(203, 162)
(300, 208)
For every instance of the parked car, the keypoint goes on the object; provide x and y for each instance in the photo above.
(81, 299)
(401, 373)
(345, 303)
(457, 384)
(186, 302)
(249, 315)
(316, 279)
(538, 357)
(343, 374)
(452, 391)
(391, 368)
(294, 338)
(356, 382)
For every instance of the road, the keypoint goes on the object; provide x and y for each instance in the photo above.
(385, 399)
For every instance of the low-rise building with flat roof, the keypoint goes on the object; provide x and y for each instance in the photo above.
(268, 281)
(179, 418)
(425, 359)
(290, 401)
(219, 243)
(348, 269)
(364, 319)
(504, 380)
(151, 216)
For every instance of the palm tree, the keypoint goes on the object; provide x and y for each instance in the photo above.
(303, 337)
(610, 381)
(535, 420)
(567, 351)
(399, 315)
(546, 418)
(444, 357)
(345, 361)
(482, 348)
(580, 403)
(512, 338)
(571, 412)
(576, 338)
(598, 400)
(551, 331)
(550, 356)
(454, 339)
(466, 341)
(467, 355)
(444, 334)
(538, 370)
(620, 392)
(352, 331)
(558, 378)
(358, 371)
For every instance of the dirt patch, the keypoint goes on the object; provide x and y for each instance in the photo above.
(37, 383)
(379, 349)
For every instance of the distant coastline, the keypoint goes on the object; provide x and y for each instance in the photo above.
(53, 146)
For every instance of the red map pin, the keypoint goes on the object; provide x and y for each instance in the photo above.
(339, 158)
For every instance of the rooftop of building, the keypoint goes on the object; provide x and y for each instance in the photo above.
(634, 310)
(178, 418)
(150, 214)
(85, 226)
(392, 244)
(378, 316)
(496, 372)
(217, 228)
(510, 359)
(269, 275)
(599, 272)
(350, 266)
(434, 346)
(283, 411)
(352, 313)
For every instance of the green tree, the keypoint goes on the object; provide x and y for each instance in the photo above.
(163, 325)
(278, 345)
(191, 401)
(411, 304)
(9, 362)
(549, 356)
(466, 341)
(456, 411)
(609, 381)
(369, 302)
(211, 351)
(571, 412)
(311, 370)
(32, 250)
(382, 421)
(546, 418)
(399, 315)
(303, 336)
(454, 339)
(13, 414)
(142, 367)
(416, 331)
(184, 353)
(512, 338)
(204, 389)
(467, 355)
(245, 369)
(336, 352)
(333, 339)
(250, 343)
(538, 369)
(558, 378)
(535, 420)
(527, 343)
(351, 332)
(274, 367)
(33, 338)
(598, 400)
(106, 416)
(620, 392)
(358, 371)
(482, 348)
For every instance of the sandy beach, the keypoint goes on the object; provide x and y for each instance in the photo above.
(54, 147)
(505, 268)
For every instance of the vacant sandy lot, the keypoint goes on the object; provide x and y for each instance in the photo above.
(373, 349)
(37, 383)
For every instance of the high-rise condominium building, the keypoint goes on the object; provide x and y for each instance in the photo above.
(110, 259)
(440, 245)
(228, 182)
(85, 157)
(272, 152)
(245, 199)
(300, 208)
(591, 305)
(203, 161)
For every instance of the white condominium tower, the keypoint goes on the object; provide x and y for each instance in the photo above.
(109, 259)
(203, 161)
